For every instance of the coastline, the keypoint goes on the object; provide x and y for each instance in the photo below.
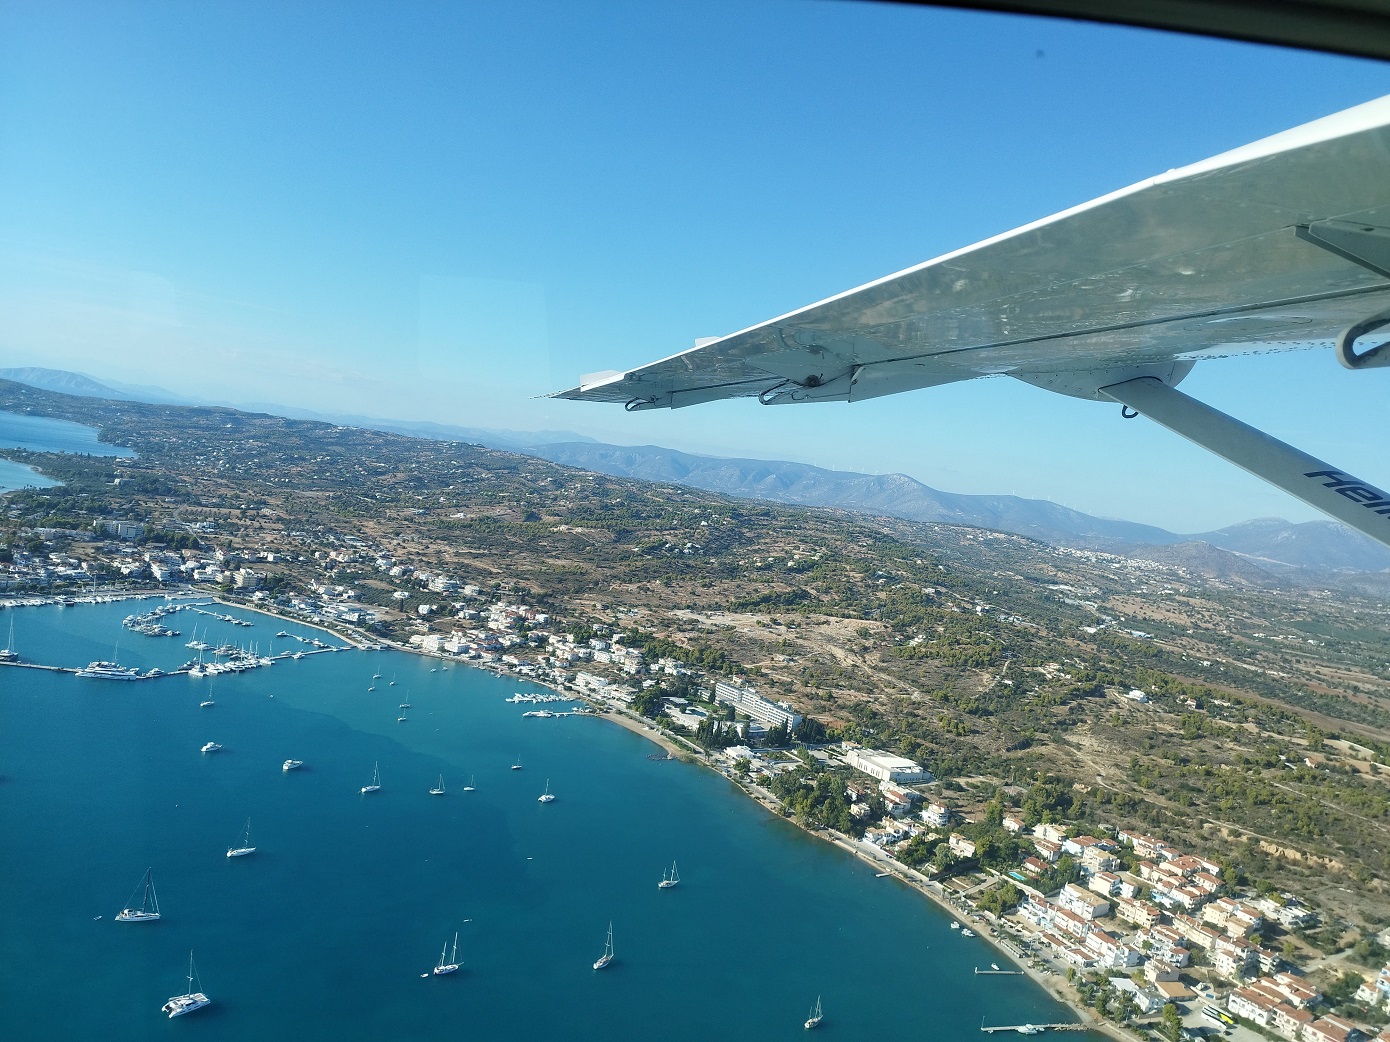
(1052, 986)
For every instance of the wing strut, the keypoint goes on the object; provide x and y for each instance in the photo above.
(1335, 492)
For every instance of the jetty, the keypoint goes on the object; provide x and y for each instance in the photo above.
(1032, 1029)
(995, 972)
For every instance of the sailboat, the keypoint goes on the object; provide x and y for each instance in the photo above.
(393, 680)
(607, 956)
(813, 1021)
(149, 903)
(438, 789)
(8, 653)
(375, 786)
(517, 766)
(376, 676)
(453, 963)
(669, 881)
(205, 703)
(546, 796)
(401, 719)
(187, 1003)
(469, 786)
(246, 847)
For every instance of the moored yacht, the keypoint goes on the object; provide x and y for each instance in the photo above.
(178, 1005)
(438, 789)
(246, 847)
(813, 1021)
(291, 765)
(607, 957)
(109, 671)
(546, 797)
(453, 963)
(149, 903)
(375, 786)
(211, 747)
(668, 881)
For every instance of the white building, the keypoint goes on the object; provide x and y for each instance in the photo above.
(748, 701)
(887, 767)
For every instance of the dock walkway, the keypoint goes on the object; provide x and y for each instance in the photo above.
(1032, 1029)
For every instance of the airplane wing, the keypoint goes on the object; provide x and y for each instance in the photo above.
(1281, 244)
(1217, 258)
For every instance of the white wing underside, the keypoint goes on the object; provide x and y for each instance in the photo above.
(1199, 262)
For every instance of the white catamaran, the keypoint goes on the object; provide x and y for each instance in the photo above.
(149, 903)
(546, 797)
(453, 963)
(668, 881)
(246, 847)
(607, 956)
(178, 1005)
(375, 786)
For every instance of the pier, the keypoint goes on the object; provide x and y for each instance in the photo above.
(1033, 1029)
(997, 973)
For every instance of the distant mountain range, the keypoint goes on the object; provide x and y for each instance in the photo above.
(1268, 542)
(1270, 545)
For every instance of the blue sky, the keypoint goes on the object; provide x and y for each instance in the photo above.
(440, 211)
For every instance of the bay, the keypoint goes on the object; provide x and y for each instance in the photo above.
(45, 434)
(325, 930)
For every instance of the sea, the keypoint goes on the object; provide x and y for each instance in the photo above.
(44, 434)
(330, 929)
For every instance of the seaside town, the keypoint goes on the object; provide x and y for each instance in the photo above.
(1159, 792)
(1123, 925)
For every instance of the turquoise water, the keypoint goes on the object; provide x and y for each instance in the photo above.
(323, 933)
(42, 434)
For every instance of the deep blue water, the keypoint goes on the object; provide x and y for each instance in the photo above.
(323, 933)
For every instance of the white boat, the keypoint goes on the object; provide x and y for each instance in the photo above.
(1030, 1029)
(291, 765)
(7, 654)
(178, 1005)
(517, 766)
(211, 747)
(607, 956)
(438, 789)
(965, 932)
(453, 963)
(109, 671)
(546, 797)
(403, 705)
(955, 926)
(246, 847)
(669, 881)
(813, 1021)
(375, 786)
(401, 719)
(469, 786)
(148, 911)
(376, 676)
